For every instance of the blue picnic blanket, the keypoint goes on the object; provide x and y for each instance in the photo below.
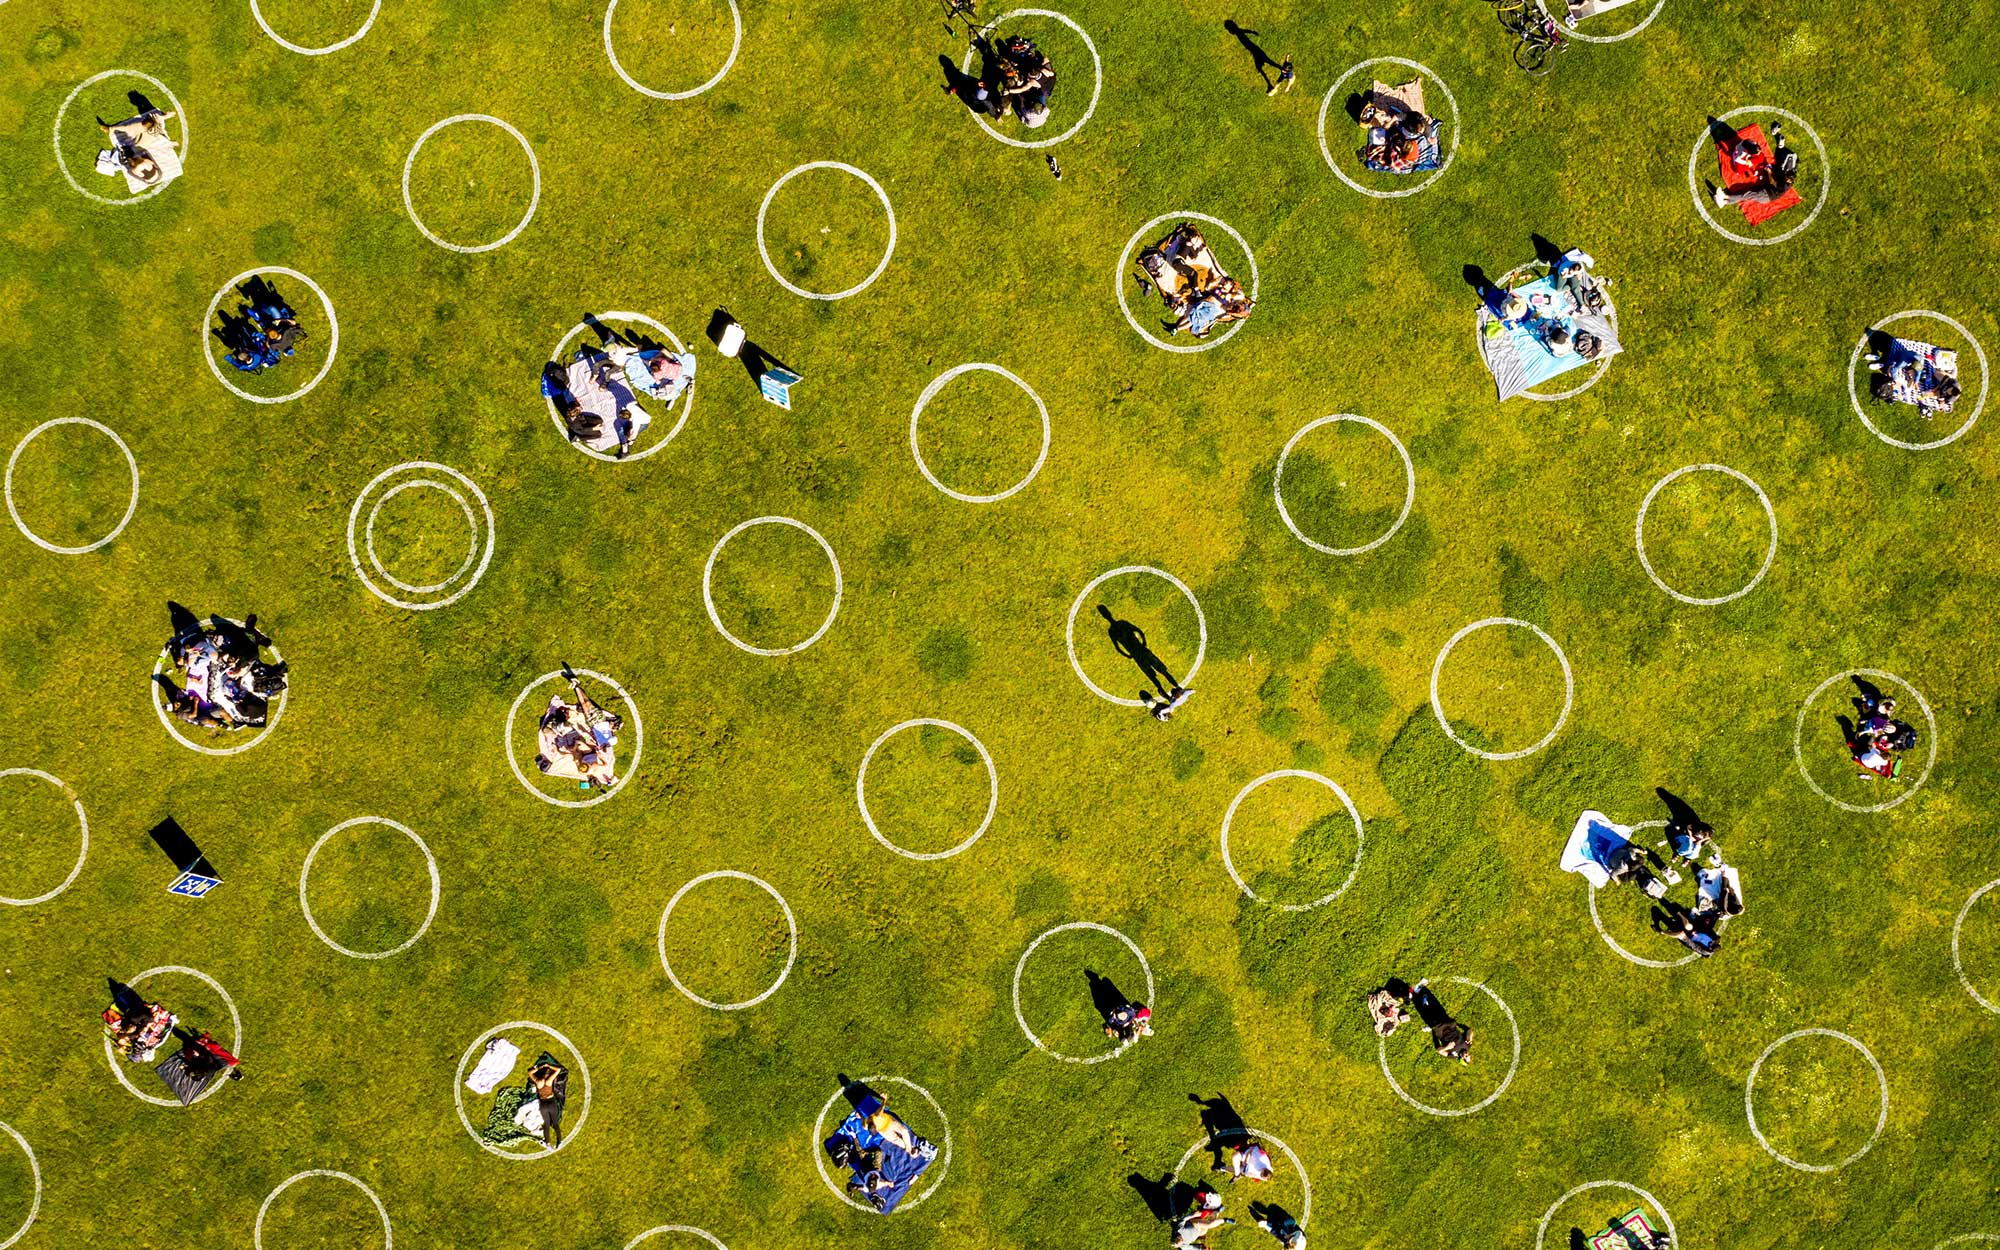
(884, 1187)
(1514, 351)
(1428, 157)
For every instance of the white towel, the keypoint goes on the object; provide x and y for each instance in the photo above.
(494, 1066)
(529, 1116)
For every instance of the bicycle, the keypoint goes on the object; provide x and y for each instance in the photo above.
(1537, 37)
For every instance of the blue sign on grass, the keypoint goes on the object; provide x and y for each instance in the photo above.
(192, 884)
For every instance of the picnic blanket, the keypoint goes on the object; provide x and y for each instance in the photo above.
(887, 1184)
(1911, 371)
(1627, 1231)
(156, 145)
(1515, 354)
(1407, 98)
(1428, 154)
(1591, 844)
(1735, 178)
(557, 744)
(601, 390)
(1179, 269)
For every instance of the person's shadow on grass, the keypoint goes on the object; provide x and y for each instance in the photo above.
(1259, 57)
(1130, 641)
(1164, 1197)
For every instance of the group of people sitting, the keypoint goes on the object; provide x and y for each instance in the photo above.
(225, 681)
(880, 1153)
(1246, 1161)
(1389, 1008)
(262, 334)
(1198, 292)
(1399, 136)
(138, 1029)
(1604, 853)
(530, 1111)
(578, 741)
(598, 393)
(1014, 75)
(1757, 178)
(141, 150)
(1908, 371)
(1546, 314)
(1878, 740)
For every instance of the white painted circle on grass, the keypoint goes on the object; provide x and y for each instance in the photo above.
(429, 859)
(1799, 729)
(1750, 1089)
(650, 1233)
(687, 393)
(534, 167)
(708, 595)
(289, 46)
(235, 1045)
(1956, 926)
(1569, 689)
(943, 1161)
(1409, 485)
(1022, 966)
(631, 765)
(1096, 78)
(1962, 1238)
(1570, 30)
(257, 1234)
(880, 194)
(1345, 802)
(930, 393)
(542, 1150)
(274, 711)
(791, 922)
(1639, 533)
(1590, 893)
(735, 46)
(1705, 142)
(333, 335)
(1597, 374)
(992, 778)
(1248, 1135)
(1382, 1053)
(471, 523)
(354, 520)
(82, 851)
(1978, 406)
(1542, 1229)
(180, 115)
(1201, 648)
(1450, 152)
(35, 1206)
(131, 507)
(1118, 282)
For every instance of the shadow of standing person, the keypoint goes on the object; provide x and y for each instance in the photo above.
(1130, 641)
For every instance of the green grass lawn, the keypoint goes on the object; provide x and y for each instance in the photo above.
(1734, 355)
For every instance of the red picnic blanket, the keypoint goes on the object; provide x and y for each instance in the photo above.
(1736, 178)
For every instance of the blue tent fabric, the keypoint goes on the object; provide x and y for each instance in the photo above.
(1514, 351)
(886, 1187)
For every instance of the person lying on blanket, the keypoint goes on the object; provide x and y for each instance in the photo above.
(579, 741)
(1222, 303)
(1771, 180)
(654, 372)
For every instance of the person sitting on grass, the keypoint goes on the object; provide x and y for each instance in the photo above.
(1022, 78)
(1386, 1009)
(1128, 1022)
(1218, 305)
(1771, 181)
(579, 741)
(1281, 1224)
(1448, 1037)
(1247, 1162)
(129, 141)
(1192, 1229)
(136, 1027)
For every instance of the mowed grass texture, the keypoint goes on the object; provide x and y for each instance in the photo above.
(1734, 355)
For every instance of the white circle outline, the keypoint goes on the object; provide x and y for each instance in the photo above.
(235, 1047)
(944, 1160)
(1251, 1134)
(354, 516)
(1118, 282)
(1022, 967)
(1449, 156)
(1308, 775)
(790, 921)
(930, 392)
(257, 1233)
(1201, 648)
(650, 1233)
(429, 859)
(735, 46)
(153, 696)
(1706, 142)
(1639, 533)
(83, 852)
(880, 194)
(1569, 688)
(1570, 30)
(368, 535)
(1596, 375)
(131, 507)
(708, 596)
(1949, 1241)
(333, 341)
(534, 167)
(1590, 892)
(180, 115)
(1096, 84)
(289, 46)
(1382, 1053)
(34, 1166)
(992, 780)
(1542, 1229)
(1956, 926)
(687, 409)
(1799, 729)
(1409, 484)
(1750, 1086)
(458, 1092)
(1854, 399)
(631, 765)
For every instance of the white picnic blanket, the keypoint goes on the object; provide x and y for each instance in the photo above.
(156, 145)
(494, 1066)
(599, 388)
(1590, 846)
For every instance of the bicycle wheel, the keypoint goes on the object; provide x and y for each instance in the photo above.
(1532, 54)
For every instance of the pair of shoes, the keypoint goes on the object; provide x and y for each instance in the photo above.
(1720, 202)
